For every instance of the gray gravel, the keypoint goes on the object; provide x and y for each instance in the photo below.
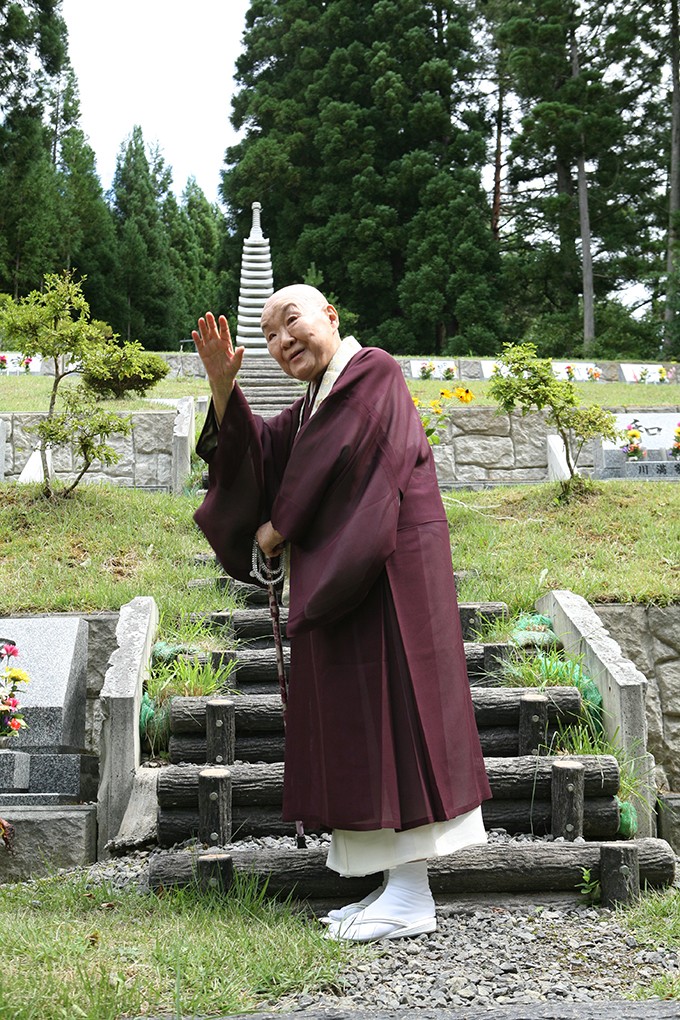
(487, 954)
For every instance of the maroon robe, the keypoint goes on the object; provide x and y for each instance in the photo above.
(380, 729)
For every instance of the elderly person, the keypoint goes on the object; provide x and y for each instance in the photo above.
(381, 742)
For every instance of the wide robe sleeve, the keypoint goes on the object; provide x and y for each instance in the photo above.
(340, 494)
(246, 456)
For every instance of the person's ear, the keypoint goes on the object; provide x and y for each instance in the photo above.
(333, 316)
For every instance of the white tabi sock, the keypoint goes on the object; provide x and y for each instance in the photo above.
(342, 913)
(405, 907)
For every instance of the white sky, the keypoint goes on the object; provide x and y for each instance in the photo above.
(164, 64)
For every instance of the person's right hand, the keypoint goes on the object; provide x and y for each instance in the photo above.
(214, 346)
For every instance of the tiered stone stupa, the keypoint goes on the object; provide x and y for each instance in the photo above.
(257, 284)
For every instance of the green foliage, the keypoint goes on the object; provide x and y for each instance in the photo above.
(524, 380)
(127, 369)
(55, 323)
(366, 151)
(589, 886)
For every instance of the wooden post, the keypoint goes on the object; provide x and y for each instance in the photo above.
(533, 723)
(619, 873)
(214, 806)
(567, 792)
(220, 728)
(215, 872)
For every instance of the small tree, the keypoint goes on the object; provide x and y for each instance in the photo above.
(55, 324)
(127, 369)
(524, 380)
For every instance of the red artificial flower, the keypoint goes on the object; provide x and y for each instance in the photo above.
(9, 650)
(15, 724)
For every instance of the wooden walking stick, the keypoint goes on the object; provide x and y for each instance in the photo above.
(272, 578)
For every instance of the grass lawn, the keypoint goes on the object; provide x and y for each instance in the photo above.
(620, 543)
(103, 546)
(93, 953)
(31, 393)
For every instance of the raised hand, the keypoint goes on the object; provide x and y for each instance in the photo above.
(221, 361)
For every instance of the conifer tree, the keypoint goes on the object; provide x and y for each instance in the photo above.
(356, 143)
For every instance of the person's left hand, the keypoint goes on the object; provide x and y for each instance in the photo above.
(269, 540)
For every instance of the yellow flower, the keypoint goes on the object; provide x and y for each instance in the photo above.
(416, 401)
(633, 434)
(17, 676)
(464, 395)
(445, 394)
(436, 406)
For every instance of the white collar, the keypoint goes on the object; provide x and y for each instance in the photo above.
(344, 354)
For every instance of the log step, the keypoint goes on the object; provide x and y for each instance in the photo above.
(495, 868)
(261, 713)
(256, 672)
(510, 779)
(600, 820)
(496, 741)
(254, 624)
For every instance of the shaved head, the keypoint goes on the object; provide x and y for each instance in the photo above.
(298, 292)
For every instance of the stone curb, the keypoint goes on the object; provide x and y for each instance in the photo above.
(651, 1009)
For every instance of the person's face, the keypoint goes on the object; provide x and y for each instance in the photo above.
(301, 333)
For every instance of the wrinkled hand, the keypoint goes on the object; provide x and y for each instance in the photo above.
(214, 346)
(221, 361)
(269, 540)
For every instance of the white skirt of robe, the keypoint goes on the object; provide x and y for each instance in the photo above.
(353, 854)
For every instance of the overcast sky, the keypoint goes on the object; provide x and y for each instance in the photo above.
(164, 64)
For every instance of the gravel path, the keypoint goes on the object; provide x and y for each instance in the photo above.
(486, 953)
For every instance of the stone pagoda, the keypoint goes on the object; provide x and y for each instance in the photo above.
(257, 284)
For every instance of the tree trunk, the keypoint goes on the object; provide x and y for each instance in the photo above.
(497, 162)
(584, 223)
(672, 267)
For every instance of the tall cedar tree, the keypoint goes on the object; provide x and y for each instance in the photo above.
(580, 91)
(32, 54)
(365, 143)
(151, 297)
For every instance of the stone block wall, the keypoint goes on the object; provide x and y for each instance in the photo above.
(481, 447)
(155, 455)
(650, 637)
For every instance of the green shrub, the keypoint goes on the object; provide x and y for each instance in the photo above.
(128, 369)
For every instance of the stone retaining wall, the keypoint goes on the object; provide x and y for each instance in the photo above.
(155, 455)
(650, 637)
(480, 446)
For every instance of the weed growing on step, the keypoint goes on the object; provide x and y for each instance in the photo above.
(102, 953)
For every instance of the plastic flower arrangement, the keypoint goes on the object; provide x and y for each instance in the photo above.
(3, 363)
(663, 374)
(633, 447)
(433, 414)
(675, 448)
(569, 371)
(449, 373)
(26, 363)
(426, 370)
(594, 372)
(643, 376)
(11, 718)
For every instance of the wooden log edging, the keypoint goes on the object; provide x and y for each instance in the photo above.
(495, 868)
(261, 713)
(524, 778)
(600, 820)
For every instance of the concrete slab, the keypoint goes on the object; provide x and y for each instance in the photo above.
(120, 700)
(139, 826)
(53, 651)
(49, 838)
